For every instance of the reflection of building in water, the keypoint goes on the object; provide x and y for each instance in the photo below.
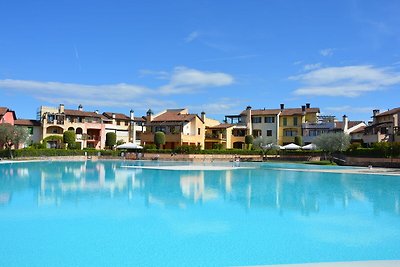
(193, 187)
(86, 179)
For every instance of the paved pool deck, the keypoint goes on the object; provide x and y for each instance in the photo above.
(391, 263)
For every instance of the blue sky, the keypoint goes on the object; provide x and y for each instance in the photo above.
(218, 56)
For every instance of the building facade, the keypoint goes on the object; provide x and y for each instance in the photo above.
(384, 127)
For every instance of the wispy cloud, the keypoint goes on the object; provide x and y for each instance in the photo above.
(326, 52)
(77, 57)
(162, 75)
(192, 36)
(185, 80)
(181, 80)
(348, 81)
(314, 66)
(220, 106)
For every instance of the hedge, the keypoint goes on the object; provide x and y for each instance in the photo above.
(56, 152)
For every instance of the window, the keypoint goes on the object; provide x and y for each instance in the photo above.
(160, 129)
(30, 130)
(126, 123)
(284, 121)
(295, 121)
(198, 130)
(290, 133)
(256, 120)
(256, 133)
(118, 122)
(384, 130)
(269, 119)
(269, 132)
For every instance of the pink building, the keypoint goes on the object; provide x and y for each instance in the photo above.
(7, 115)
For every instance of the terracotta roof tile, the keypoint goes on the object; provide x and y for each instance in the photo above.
(78, 113)
(359, 130)
(298, 111)
(220, 126)
(118, 116)
(174, 115)
(339, 124)
(3, 111)
(259, 112)
(389, 112)
(22, 122)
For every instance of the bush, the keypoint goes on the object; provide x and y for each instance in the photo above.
(298, 140)
(149, 147)
(249, 139)
(111, 139)
(378, 150)
(69, 138)
(159, 139)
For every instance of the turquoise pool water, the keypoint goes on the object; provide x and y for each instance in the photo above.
(102, 214)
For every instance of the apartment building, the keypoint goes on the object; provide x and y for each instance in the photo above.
(34, 130)
(88, 126)
(127, 128)
(291, 122)
(7, 115)
(180, 128)
(384, 127)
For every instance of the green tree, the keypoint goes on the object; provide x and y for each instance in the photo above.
(159, 139)
(249, 139)
(333, 142)
(111, 139)
(69, 138)
(12, 136)
(298, 140)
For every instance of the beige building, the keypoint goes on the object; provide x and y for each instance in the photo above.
(34, 129)
(180, 128)
(384, 127)
(88, 126)
(127, 128)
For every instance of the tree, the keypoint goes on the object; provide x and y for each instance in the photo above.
(249, 139)
(111, 139)
(69, 138)
(332, 142)
(159, 139)
(263, 141)
(11, 135)
(298, 140)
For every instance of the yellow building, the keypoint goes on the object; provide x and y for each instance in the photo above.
(291, 120)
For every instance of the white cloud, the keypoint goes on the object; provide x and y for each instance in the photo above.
(221, 106)
(191, 37)
(314, 66)
(348, 81)
(181, 80)
(185, 80)
(326, 52)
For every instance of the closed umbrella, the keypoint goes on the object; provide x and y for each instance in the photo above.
(129, 146)
(291, 146)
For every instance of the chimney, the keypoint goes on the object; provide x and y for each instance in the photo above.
(345, 124)
(61, 108)
(80, 107)
(375, 112)
(133, 130)
(96, 111)
(308, 105)
(303, 109)
(282, 106)
(248, 120)
(113, 115)
(149, 115)
(203, 116)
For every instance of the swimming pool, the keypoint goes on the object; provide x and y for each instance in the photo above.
(101, 213)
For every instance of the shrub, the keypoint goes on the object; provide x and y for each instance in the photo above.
(111, 139)
(298, 140)
(69, 138)
(159, 139)
(249, 139)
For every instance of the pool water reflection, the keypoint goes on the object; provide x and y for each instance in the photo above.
(97, 213)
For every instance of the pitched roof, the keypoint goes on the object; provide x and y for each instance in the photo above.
(23, 122)
(258, 112)
(174, 115)
(4, 110)
(284, 112)
(220, 126)
(298, 111)
(118, 116)
(73, 112)
(339, 124)
(359, 130)
(389, 112)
